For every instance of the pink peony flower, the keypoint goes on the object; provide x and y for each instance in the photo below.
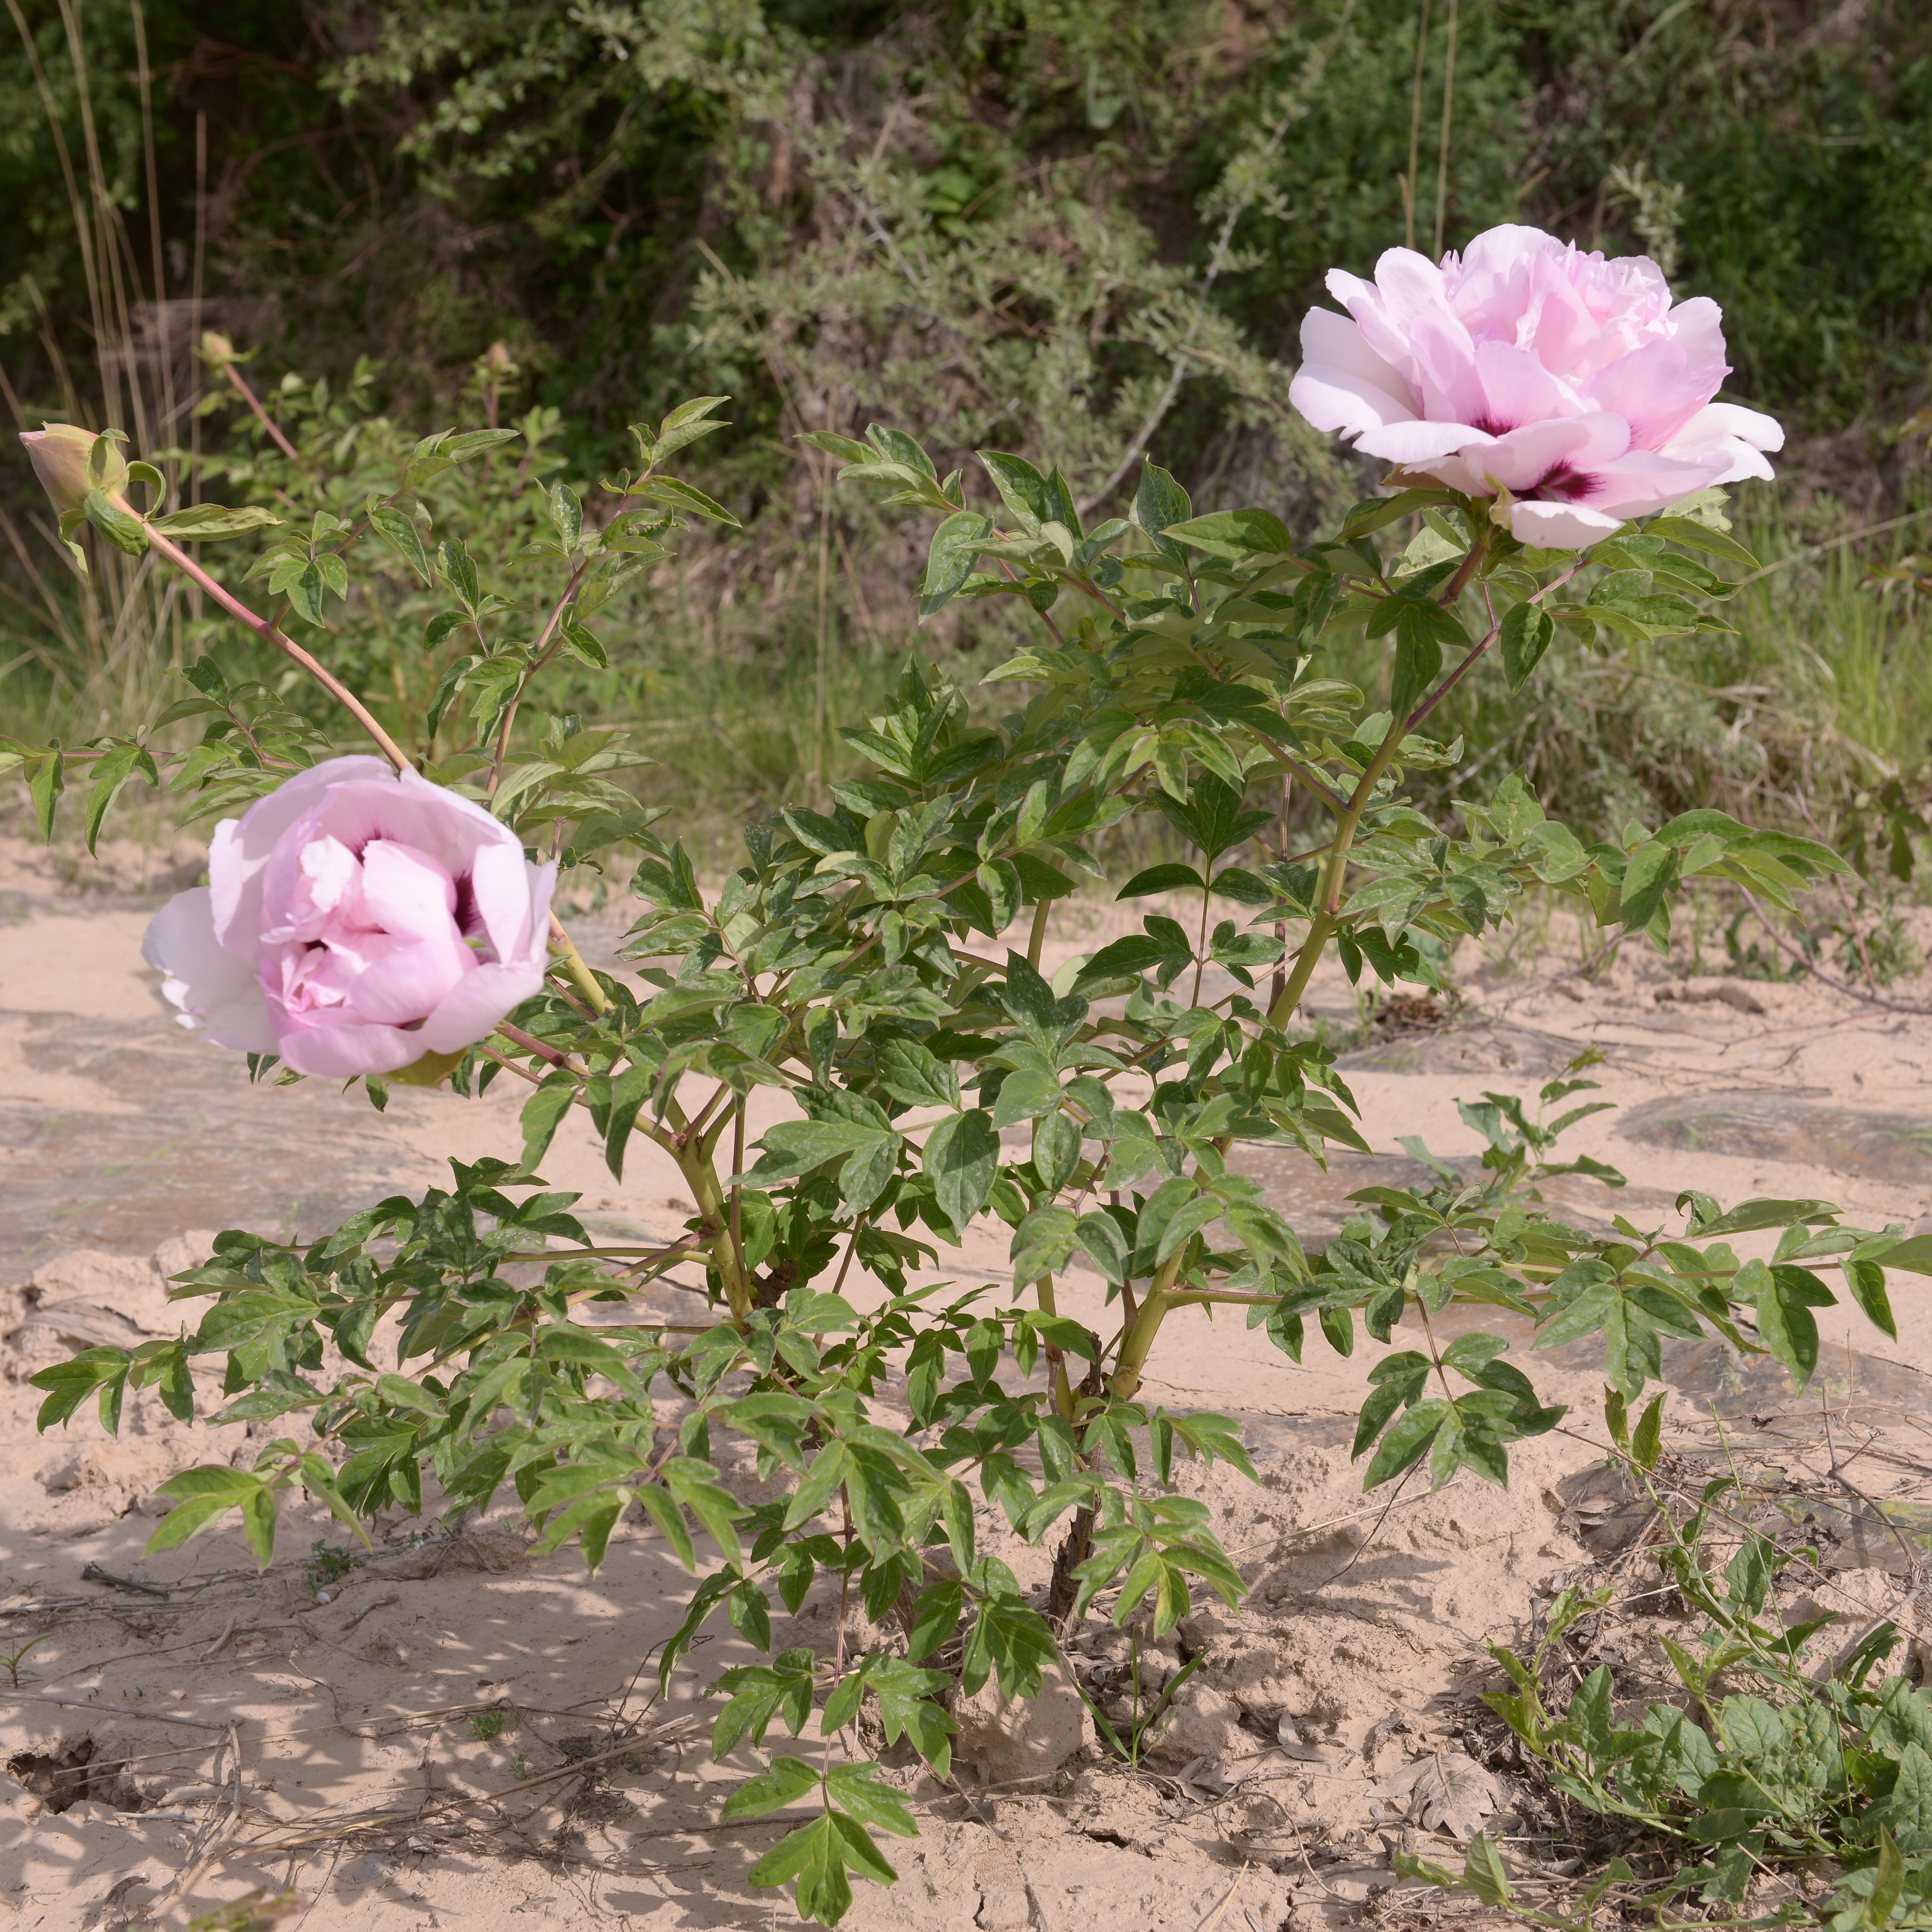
(1525, 366)
(354, 921)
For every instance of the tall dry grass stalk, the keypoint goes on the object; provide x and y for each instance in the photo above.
(102, 643)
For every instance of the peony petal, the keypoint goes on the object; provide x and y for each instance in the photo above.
(504, 888)
(1463, 471)
(1656, 389)
(1517, 389)
(311, 883)
(1575, 446)
(1642, 481)
(1717, 420)
(1521, 460)
(1384, 337)
(411, 811)
(239, 851)
(1746, 461)
(1560, 526)
(1410, 285)
(407, 893)
(334, 1047)
(1422, 441)
(1499, 251)
(214, 990)
(1342, 384)
(1697, 328)
(485, 997)
(411, 981)
(1444, 355)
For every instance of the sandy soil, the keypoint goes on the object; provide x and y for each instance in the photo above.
(453, 1732)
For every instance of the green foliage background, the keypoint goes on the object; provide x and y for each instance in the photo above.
(997, 223)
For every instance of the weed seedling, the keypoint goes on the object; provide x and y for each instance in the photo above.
(327, 1566)
(11, 1659)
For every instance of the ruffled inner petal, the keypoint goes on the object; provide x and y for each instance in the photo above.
(239, 852)
(1517, 390)
(1656, 389)
(405, 891)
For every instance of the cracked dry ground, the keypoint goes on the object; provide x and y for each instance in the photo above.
(455, 1732)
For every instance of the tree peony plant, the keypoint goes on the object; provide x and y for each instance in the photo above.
(1567, 387)
(354, 920)
(875, 962)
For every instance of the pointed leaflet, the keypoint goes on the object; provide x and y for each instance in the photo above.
(1484, 1873)
(1235, 533)
(116, 766)
(1160, 501)
(855, 1788)
(1024, 491)
(1527, 631)
(1042, 1243)
(629, 1092)
(1418, 657)
(1784, 1317)
(1649, 872)
(935, 1616)
(1694, 535)
(1866, 1279)
(202, 521)
(544, 1112)
(866, 1153)
(44, 787)
(914, 1074)
(785, 1783)
(759, 1692)
(683, 496)
(200, 1496)
(817, 1856)
(961, 1156)
(404, 536)
(956, 547)
(69, 1384)
(908, 1706)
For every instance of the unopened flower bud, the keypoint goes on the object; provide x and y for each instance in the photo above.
(217, 351)
(58, 452)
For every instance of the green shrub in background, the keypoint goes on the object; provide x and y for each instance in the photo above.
(1061, 227)
(413, 182)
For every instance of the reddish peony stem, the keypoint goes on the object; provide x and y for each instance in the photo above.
(286, 645)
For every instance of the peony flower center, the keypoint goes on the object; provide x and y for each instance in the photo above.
(375, 934)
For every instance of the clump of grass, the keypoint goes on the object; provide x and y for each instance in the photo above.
(327, 1564)
(493, 1723)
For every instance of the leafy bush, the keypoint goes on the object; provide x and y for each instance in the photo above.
(1177, 669)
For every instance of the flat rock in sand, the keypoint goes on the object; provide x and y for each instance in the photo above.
(1786, 1126)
